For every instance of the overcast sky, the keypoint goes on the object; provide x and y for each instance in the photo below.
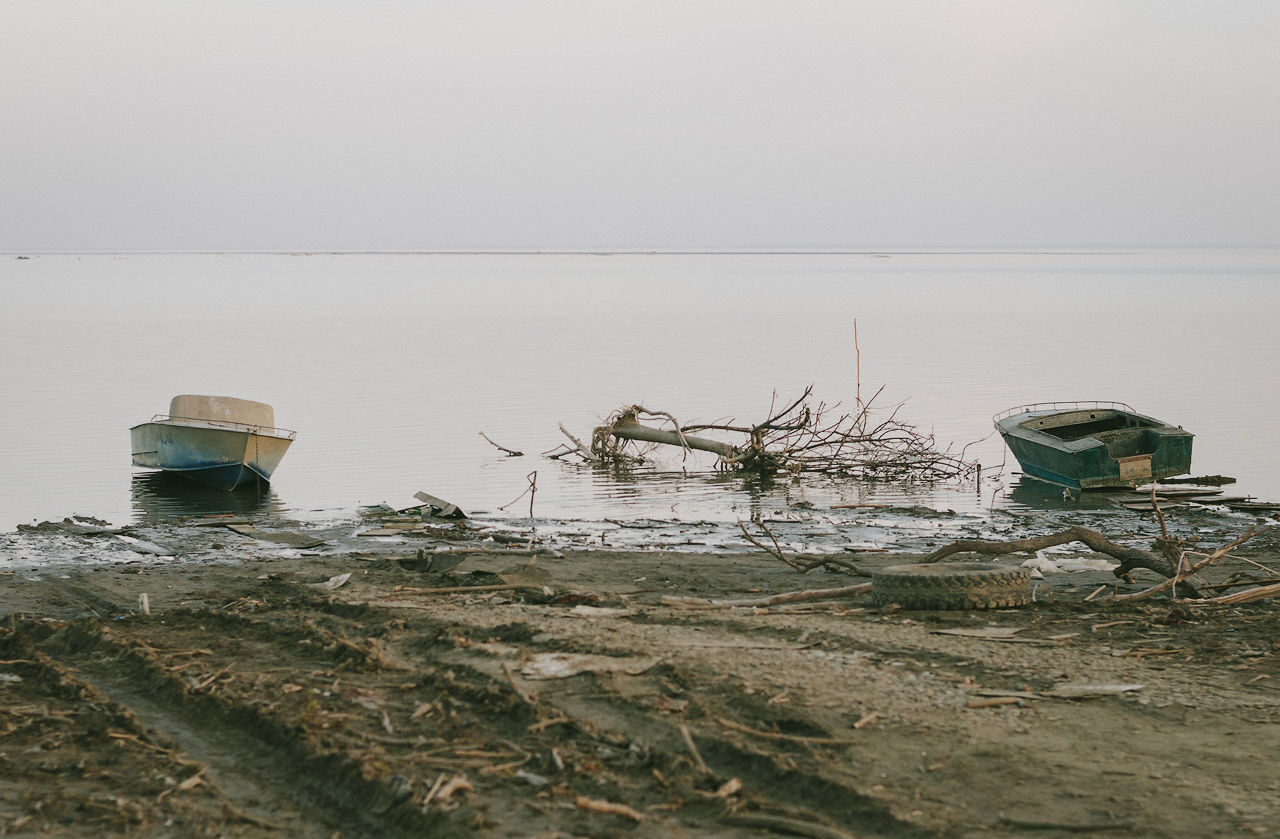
(422, 125)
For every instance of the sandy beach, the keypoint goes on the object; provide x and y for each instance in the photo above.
(491, 691)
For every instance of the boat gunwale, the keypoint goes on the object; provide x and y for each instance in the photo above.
(1056, 407)
(221, 425)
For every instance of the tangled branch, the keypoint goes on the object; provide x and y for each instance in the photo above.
(803, 436)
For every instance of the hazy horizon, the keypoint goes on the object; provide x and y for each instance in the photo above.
(1067, 248)
(573, 126)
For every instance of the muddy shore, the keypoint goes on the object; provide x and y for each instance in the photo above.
(490, 691)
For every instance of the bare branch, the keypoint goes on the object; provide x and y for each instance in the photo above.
(509, 452)
(1130, 558)
(1182, 573)
(776, 550)
(1175, 568)
(577, 444)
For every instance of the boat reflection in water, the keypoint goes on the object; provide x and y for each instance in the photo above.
(1034, 494)
(162, 496)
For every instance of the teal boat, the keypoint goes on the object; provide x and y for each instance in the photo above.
(1093, 445)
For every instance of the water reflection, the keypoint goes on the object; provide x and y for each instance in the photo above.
(581, 491)
(158, 496)
(1041, 495)
(650, 492)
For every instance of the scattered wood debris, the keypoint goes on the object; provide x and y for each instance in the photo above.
(599, 805)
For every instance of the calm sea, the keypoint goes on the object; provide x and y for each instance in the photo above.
(389, 366)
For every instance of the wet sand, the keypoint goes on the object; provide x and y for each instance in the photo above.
(558, 694)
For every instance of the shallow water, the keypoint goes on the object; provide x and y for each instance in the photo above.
(389, 366)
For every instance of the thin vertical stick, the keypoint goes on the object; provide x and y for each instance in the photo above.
(858, 352)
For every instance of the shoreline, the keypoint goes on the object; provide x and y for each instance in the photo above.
(488, 689)
(887, 528)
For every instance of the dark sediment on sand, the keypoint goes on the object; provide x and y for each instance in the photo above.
(436, 683)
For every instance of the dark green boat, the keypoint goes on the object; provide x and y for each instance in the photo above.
(1093, 445)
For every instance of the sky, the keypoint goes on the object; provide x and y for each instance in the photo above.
(169, 125)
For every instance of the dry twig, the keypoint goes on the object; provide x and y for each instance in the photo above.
(599, 805)
(509, 452)
(775, 551)
(693, 750)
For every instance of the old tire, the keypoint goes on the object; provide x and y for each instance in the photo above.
(962, 585)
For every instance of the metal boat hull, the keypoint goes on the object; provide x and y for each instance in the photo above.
(219, 457)
(1094, 445)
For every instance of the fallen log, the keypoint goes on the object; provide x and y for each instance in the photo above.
(647, 434)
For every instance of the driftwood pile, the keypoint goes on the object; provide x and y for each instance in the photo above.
(805, 436)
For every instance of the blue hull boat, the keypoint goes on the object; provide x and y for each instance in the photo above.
(218, 440)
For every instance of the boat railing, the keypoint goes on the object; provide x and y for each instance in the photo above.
(1080, 405)
(229, 425)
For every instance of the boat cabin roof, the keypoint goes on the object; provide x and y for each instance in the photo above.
(222, 409)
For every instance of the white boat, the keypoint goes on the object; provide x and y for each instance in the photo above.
(218, 440)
